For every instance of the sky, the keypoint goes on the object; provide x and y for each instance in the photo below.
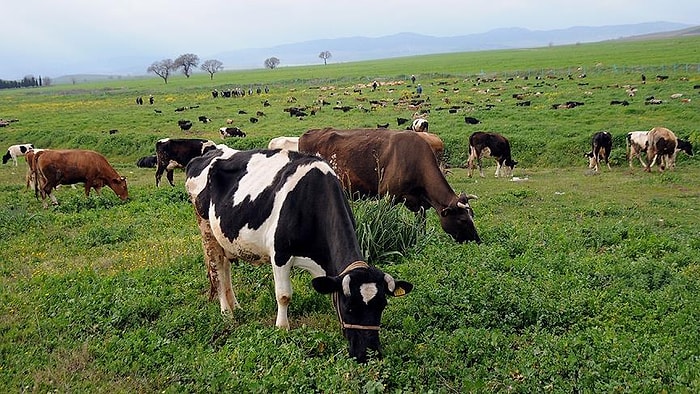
(39, 35)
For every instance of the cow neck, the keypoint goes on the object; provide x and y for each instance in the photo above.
(336, 301)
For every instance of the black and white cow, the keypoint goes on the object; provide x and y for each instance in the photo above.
(601, 146)
(420, 125)
(288, 208)
(15, 151)
(231, 132)
(483, 144)
(172, 153)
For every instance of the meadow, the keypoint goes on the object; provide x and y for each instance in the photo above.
(583, 283)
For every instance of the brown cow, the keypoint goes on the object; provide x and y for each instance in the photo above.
(377, 162)
(71, 166)
(661, 145)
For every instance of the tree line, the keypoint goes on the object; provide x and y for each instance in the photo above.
(28, 81)
(188, 62)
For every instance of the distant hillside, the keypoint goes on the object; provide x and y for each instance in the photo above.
(410, 44)
(351, 49)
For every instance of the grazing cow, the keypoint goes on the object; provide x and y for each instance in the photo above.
(471, 120)
(636, 145)
(15, 151)
(204, 119)
(288, 143)
(289, 209)
(400, 121)
(231, 132)
(147, 162)
(172, 153)
(482, 144)
(378, 162)
(31, 176)
(601, 146)
(420, 125)
(661, 145)
(684, 146)
(184, 124)
(71, 166)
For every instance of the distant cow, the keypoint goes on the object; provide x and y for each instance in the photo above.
(204, 119)
(231, 132)
(174, 153)
(471, 120)
(184, 124)
(288, 143)
(601, 146)
(378, 162)
(661, 146)
(483, 144)
(400, 121)
(71, 166)
(288, 209)
(147, 162)
(420, 125)
(15, 151)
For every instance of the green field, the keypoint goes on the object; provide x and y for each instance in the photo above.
(583, 283)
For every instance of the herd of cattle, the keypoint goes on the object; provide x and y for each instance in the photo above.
(287, 204)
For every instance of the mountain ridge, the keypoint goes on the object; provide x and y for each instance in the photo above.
(360, 48)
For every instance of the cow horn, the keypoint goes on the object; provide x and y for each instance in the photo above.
(346, 285)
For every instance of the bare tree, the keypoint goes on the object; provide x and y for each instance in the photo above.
(272, 62)
(212, 66)
(325, 55)
(187, 62)
(162, 68)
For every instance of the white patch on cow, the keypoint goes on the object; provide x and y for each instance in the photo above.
(257, 179)
(346, 285)
(172, 164)
(164, 140)
(368, 291)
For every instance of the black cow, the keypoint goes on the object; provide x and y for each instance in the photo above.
(204, 119)
(172, 153)
(184, 124)
(147, 162)
(601, 146)
(471, 120)
(483, 144)
(287, 208)
(231, 132)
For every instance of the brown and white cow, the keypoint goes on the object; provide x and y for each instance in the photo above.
(484, 144)
(71, 166)
(379, 162)
(601, 146)
(636, 145)
(661, 146)
(172, 153)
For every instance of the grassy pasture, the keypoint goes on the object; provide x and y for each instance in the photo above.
(583, 283)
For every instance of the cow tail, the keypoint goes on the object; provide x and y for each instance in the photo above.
(35, 173)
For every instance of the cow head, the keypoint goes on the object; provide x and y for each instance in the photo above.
(509, 164)
(458, 220)
(118, 185)
(360, 296)
(685, 146)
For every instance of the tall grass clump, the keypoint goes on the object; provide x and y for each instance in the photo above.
(386, 230)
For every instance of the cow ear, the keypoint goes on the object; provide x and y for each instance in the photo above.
(326, 284)
(402, 288)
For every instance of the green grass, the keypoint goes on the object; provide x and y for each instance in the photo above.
(583, 282)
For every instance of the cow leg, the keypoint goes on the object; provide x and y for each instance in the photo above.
(218, 269)
(159, 174)
(498, 169)
(169, 175)
(283, 292)
(470, 161)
